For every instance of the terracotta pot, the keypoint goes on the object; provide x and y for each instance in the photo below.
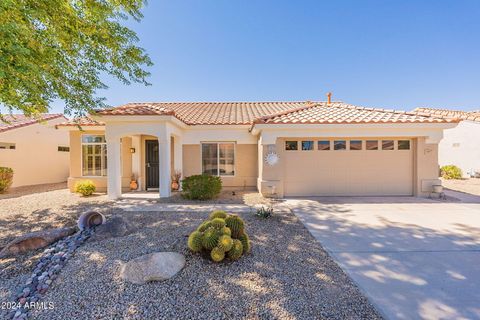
(133, 185)
(175, 185)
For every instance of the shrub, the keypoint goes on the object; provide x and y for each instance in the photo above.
(451, 172)
(218, 241)
(264, 212)
(85, 188)
(201, 187)
(6, 178)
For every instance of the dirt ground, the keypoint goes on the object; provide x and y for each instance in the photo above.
(471, 185)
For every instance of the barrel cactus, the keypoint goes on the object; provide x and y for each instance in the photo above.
(218, 214)
(222, 235)
(217, 254)
(236, 224)
(218, 223)
(237, 250)
(245, 242)
(225, 243)
(195, 241)
(210, 238)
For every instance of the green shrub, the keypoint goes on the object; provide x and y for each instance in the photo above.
(85, 187)
(218, 241)
(6, 178)
(201, 187)
(451, 172)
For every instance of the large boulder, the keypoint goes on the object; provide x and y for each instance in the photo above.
(114, 227)
(152, 267)
(35, 240)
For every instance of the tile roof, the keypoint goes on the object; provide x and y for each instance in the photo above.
(449, 114)
(342, 113)
(80, 122)
(248, 113)
(14, 121)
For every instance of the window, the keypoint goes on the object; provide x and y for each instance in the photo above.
(291, 145)
(218, 159)
(372, 145)
(403, 144)
(387, 144)
(94, 155)
(355, 144)
(6, 145)
(324, 145)
(307, 145)
(339, 145)
(63, 149)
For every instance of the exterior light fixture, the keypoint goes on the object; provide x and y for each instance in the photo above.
(132, 150)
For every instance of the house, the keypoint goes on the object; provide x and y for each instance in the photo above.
(34, 149)
(460, 145)
(287, 148)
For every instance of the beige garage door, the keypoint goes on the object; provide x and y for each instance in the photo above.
(348, 167)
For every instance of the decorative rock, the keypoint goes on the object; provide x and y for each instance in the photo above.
(90, 219)
(35, 240)
(152, 267)
(115, 227)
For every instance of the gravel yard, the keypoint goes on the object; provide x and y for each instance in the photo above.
(287, 276)
(471, 186)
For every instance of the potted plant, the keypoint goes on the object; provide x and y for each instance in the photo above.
(133, 183)
(176, 180)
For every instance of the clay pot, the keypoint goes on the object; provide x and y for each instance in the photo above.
(175, 185)
(133, 185)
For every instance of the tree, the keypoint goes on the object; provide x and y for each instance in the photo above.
(57, 49)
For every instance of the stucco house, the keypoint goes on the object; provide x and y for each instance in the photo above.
(459, 145)
(34, 149)
(287, 148)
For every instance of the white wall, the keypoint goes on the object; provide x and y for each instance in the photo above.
(461, 146)
(36, 159)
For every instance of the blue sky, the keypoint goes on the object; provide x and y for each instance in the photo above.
(384, 53)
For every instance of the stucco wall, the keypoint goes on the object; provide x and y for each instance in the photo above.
(460, 147)
(100, 182)
(246, 168)
(36, 159)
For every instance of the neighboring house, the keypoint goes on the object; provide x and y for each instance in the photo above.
(460, 145)
(287, 148)
(34, 149)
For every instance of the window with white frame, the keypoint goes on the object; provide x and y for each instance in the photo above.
(94, 155)
(218, 158)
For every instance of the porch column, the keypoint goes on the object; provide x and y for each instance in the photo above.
(114, 174)
(178, 158)
(164, 166)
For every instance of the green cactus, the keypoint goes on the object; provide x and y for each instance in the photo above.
(218, 214)
(217, 223)
(210, 238)
(217, 254)
(236, 224)
(245, 242)
(237, 250)
(204, 226)
(227, 231)
(195, 241)
(225, 243)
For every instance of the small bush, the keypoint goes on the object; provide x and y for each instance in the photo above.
(85, 188)
(451, 172)
(264, 212)
(201, 187)
(6, 178)
(217, 241)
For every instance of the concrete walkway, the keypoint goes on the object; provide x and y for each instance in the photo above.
(414, 258)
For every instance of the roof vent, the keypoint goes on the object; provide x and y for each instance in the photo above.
(329, 98)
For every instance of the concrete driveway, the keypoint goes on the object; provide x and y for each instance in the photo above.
(413, 258)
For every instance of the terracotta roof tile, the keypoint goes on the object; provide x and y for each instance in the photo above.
(342, 113)
(80, 122)
(14, 121)
(450, 114)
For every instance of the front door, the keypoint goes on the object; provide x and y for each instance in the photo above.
(151, 163)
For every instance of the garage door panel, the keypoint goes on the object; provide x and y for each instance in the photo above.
(348, 172)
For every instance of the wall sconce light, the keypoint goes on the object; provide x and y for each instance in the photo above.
(132, 150)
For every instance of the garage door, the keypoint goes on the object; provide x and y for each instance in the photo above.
(341, 167)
